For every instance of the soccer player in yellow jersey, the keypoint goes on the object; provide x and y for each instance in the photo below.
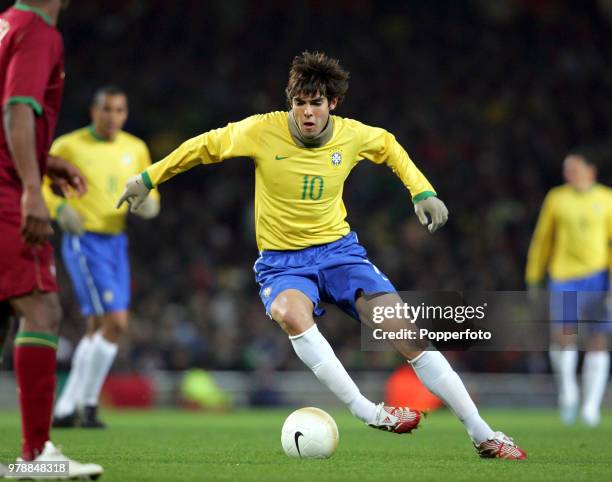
(572, 242)
(94, 246)
(308, 252)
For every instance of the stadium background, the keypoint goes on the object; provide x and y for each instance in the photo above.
(487, 97)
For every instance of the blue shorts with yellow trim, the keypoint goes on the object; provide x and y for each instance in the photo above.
(99, 268)
(334, 273)
(581, 300)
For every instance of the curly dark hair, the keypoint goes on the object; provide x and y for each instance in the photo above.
(313, 72)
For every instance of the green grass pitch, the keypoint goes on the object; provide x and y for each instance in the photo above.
(244, 446)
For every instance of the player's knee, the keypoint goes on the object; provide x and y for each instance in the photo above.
(114, 325)
(50, 314)
(597, 342)
(292, 317)
(43, 315)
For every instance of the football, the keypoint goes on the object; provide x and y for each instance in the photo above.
(310, 433)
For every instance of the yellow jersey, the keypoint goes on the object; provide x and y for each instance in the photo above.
(573, 234)
(106, 165)
(298, 190)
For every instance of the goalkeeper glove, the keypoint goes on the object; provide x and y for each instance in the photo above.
(135, 192)
(436, 210)
(69, 220)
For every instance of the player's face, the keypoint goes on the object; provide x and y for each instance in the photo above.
(109, 114)
(311, 113)
(577, 172)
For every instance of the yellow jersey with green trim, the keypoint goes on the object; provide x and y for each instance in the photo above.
(298, 190)
(573, 234)
(106, 165)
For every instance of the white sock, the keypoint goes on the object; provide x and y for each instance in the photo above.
(71, 393)
(317, 354)
(438, 376)
(564, 363)
(103, 354)
(595, 371)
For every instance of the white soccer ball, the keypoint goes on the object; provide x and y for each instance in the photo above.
(310, 433)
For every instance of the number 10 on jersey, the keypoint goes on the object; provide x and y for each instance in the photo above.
(312, 187)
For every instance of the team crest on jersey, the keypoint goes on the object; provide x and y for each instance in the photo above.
(336, 158)
(267, 291)
(127, 158)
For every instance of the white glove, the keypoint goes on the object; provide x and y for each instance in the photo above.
(69, 220)
(148, 209)
(436, 210)
(135, 193)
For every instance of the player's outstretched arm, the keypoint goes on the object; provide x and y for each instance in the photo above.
(380, 146)
(234, 140)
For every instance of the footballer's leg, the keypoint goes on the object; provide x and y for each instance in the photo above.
(65, 412)
(5, 325)
(293, 311)
(595, 372)
(437, 375)
(564, 361)
(431, 367)
(34, 361)
(102, 353)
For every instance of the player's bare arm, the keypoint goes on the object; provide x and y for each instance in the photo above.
(20, 133)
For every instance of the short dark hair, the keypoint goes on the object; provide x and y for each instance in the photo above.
(589, 155)
(109, 89)
(313, 72)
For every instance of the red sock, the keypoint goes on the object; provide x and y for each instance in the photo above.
(34, 361)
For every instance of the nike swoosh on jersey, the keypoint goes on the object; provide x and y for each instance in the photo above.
(278, 158)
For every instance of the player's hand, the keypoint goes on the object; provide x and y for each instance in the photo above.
(148, 209)
(66, 179)
(434, 209)
(534, 293)
(35, 221)
(135, 193)
(69, 220)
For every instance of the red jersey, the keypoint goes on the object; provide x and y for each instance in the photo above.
(31, 72)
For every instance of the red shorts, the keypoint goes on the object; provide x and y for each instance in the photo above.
(23, 269)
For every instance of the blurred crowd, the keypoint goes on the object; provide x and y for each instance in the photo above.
(486, 97)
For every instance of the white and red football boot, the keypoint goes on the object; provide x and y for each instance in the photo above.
(500, 446)
(396, 419)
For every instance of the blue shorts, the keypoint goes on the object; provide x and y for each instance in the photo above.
(581, 299)
(333, 273)
(100, 271)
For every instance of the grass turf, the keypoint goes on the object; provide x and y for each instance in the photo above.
(244, 446)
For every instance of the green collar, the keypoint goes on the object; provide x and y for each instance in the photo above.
(95, 135)
(37, 11)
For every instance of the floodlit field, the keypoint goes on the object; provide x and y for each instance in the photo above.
(245, 446)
